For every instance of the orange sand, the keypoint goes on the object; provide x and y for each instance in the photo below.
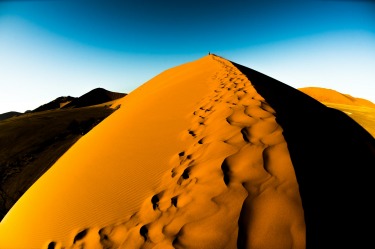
(332, 96)
(193, 159)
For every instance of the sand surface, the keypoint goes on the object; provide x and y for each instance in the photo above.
(332, 156)
(332, 96)
(193, 159)
(111, 170)
(209, 154)
(360, 110)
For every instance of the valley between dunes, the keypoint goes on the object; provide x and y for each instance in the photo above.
(208, 154)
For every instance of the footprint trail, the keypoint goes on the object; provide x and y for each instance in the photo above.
(234, 187)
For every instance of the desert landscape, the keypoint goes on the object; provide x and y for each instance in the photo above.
(31, 142)
(208, 154)
(187, 124)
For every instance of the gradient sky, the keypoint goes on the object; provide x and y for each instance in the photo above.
(57, 48)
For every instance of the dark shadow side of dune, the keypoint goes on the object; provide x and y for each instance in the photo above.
(332, 157)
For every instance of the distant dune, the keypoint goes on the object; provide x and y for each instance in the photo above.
(332, 96)
(7, 115)
(360, 110)
(94, 97)
(54, 104)
(209, 154)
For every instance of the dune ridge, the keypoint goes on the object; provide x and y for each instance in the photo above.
(93, 97)
(234, 186)
(108, 173)
(54, 104)
(209, 154)
(329, 151)
(7, 115)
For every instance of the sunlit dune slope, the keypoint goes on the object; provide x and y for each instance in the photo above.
(332, 96)
(32, 142)
(209, 154)
(363, 115)
(110, 171)
(231, 185)
(361, 110)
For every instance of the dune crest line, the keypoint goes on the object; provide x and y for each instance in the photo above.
(328, 150)
(234, 187)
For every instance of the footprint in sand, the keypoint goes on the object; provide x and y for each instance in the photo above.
(221, 183)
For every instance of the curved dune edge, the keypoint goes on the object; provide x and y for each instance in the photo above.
(109, 172)
(234, 186)
(360, 110)
(240, 160)
(335, 97)
(332, 156)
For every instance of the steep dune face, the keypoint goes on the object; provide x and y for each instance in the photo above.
(206, 155)
(331, 154)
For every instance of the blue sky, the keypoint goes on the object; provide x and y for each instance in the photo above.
(55, 48)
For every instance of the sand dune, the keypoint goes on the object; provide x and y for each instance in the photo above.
(94, 97)
(199, 201)
(7, 115)
(32, 142)
(55, 104)
(360, 110)
(332, 96)
(209, 154)
(329, 151)
(124, 157)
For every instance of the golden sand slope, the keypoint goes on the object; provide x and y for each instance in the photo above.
(361, 110)
(332, 96)
(194, 159)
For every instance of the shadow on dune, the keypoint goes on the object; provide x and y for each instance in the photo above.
(332, 157)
